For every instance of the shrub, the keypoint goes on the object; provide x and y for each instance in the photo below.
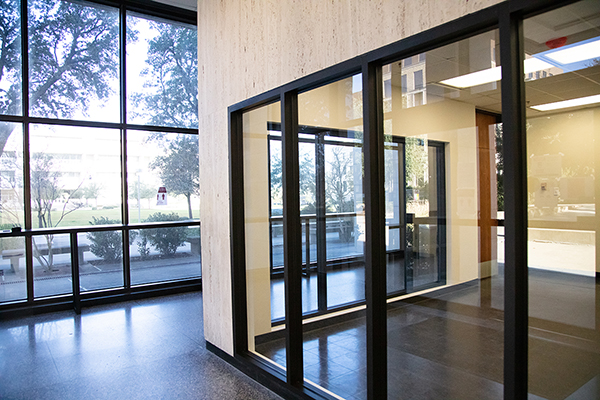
(165, 240)
(107, 245)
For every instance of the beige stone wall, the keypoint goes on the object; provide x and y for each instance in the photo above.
(247, 47)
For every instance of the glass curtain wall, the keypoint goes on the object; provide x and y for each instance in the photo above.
(73, 170)
(563, 156)
(442, 210)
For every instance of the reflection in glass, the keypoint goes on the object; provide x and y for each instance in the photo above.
(164, 254)
(263, 229)
(441, 205)
(162, 160)
(100, 260)
(10, 67)
(162, 73)
(73, 60)
(13, 278)
(563, 151)
(75, 176)
(330, 119)
(52, 265)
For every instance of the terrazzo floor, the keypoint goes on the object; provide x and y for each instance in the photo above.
(145, 349)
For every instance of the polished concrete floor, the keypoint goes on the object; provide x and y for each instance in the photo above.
(147, 349)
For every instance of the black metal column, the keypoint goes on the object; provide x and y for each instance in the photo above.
(238, 247)
(75, 272)
(375, 255)
(321, 225)
(292, 239)
(515, 206)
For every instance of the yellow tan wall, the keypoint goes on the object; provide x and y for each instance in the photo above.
(248, 47)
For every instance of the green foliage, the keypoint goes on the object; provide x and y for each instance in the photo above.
(416, 163)
(170, 97)
(499, 167)
(10, 51)
(145, 191)
(74, 51)
(179, 168)
(339, 180)
(107, 245)
(165, 240)
(73, 58)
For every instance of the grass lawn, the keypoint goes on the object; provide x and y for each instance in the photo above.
(84, 217)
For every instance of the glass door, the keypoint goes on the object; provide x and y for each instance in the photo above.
(415, 201)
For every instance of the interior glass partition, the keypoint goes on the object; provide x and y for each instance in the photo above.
(441, 110)
(443, 153)
(330, 122)
(563, 155)
(263, 228)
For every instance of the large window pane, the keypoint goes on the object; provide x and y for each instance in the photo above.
(440, 152)
(164, 254)
(100, 260)
(162, 70)
(10, 66)
(73, 60)
(330, 119)
(75, 176)
(51, 265)
(563, 153)
(13, 278)
(11, 178)
(162, 160)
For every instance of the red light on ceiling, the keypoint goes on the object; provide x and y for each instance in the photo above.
(556, 43)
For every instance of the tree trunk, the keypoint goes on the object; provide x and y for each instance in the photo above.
(189, 201)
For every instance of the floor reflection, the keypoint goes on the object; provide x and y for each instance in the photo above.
(449, 343)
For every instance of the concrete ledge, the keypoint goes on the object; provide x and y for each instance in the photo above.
(562, 236)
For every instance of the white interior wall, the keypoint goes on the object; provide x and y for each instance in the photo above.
(451, 122)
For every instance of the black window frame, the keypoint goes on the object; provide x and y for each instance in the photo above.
(76, 299)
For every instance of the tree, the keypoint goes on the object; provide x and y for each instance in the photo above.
(499, 167)
(73, 58)
(141, 190)
(171, 99)
(107, 245)
(165, 240)
(417, 162)
(45, 191)
(178, 169)
(91, 191)
(10, 57)
(171, 95)
(339, 180)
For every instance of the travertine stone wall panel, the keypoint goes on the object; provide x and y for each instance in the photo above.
(247, 47)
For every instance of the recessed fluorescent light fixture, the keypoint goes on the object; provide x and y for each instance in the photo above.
(581, 101)
(577, 53)
(493, 74)
(475, 78)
